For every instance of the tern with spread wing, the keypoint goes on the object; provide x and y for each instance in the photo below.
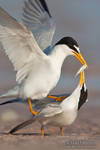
(37, 72)
(60, 114)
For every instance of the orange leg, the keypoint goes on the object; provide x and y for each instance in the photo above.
(61, 131)
(61, 98)
(31, 109)
(42, 131)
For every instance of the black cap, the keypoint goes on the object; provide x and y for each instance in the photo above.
(70, 42)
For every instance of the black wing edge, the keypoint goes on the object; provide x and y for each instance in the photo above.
(83, 97)
(10, 101)
(44, 4)
(41, 4)
(22, 125)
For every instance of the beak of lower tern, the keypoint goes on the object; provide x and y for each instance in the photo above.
(80, 58)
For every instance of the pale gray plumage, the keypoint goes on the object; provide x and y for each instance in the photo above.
(31, 64)
(37, 73)
(37, 18)
(19, 45)
(50, 110)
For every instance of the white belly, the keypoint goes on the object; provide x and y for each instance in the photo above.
(60, 120)
(39, 84)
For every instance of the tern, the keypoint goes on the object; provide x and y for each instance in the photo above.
(37, 71)
(59, 114)
(37, 103)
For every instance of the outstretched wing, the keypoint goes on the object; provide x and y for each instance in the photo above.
(37, 18)
(19, 44)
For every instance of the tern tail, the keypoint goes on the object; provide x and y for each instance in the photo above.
(10, 93)
(22, 125)
(17, 100)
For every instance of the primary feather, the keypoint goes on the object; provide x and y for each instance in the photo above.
(19, 44)
(37, 18)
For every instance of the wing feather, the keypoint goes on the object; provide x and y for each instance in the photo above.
(50, 110)
(19, 44)
(37, 18)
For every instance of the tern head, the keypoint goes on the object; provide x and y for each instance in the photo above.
(72, 48)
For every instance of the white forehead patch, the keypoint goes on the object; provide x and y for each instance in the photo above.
(77, 48)
(85, 87)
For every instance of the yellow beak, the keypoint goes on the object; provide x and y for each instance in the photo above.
(80, 58)
(82, 78)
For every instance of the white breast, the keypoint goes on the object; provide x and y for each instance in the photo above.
(41, 81)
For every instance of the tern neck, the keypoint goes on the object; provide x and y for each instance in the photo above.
(76, 93)
(72, 101)
(59, 54)
(74, 98)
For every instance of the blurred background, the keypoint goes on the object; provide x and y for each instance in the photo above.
(79, 19)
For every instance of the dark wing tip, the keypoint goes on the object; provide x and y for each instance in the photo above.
(12, 131)
(22, 125)
(83, 97)
(10, 101)
(44, 4)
